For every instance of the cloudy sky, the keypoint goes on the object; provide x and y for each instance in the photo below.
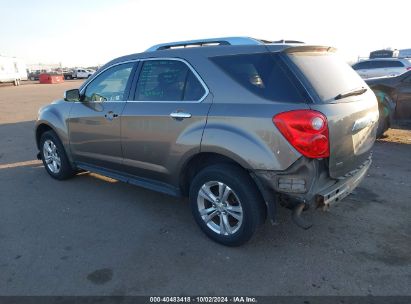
(90, 32)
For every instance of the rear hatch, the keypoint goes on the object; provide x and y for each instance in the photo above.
(344, 98)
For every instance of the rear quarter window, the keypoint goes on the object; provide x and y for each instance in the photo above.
(263, 74)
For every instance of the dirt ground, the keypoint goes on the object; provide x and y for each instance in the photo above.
(95, 236)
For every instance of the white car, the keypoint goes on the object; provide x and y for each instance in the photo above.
(83, 73)
(382, 67)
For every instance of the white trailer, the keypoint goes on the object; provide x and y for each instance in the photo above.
(12, 70)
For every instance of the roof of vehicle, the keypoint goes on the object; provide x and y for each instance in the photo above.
(216, 46)
(385, 59)
(217, 42)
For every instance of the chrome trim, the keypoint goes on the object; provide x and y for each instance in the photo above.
(226, 40)
(180, 115)
(207, 91)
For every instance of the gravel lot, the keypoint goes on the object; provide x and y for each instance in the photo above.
(95, 236)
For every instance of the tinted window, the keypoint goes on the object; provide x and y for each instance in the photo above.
(261, 74)
(194, 89)
(381, 64)
(327, 73)
(167, 80)
(374, 64)
(361, 65)
(109, 85)
(394, 64)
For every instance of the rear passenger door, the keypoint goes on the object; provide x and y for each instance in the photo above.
(163, 122)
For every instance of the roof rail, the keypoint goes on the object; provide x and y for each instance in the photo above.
(286, 41)
(207, 42)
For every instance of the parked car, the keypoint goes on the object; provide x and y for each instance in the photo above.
(34, 75)
(382, 67)
(78, 73)
(386, 109)
(238, 129)
(398, 90)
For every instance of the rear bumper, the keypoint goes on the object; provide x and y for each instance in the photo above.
(308, 182)
(343, 187)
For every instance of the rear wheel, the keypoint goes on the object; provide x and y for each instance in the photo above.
(382, 126)
(54, 157)
(226, 204)
(384, 102)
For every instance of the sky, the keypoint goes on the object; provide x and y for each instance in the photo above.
(92, 32)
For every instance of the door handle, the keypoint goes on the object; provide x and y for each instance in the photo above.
(110, 115)
(180, 115)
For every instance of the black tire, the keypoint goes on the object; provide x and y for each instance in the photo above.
(243, 187)
(385, 107)
(65, 170)
(383, 126)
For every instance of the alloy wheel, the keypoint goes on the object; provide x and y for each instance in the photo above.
(51, 156)
(220, 208)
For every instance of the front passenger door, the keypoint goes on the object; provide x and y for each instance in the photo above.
(94, 123)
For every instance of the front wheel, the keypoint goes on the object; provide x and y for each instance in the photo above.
(54, 157)
(226, 204)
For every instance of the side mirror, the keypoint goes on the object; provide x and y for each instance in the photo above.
(72, 95)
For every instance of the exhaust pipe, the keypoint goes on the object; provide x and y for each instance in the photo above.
(297, 218)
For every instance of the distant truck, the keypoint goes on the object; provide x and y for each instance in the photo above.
(12, 70)
(78, 73)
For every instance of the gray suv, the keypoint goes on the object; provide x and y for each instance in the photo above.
(240, 126)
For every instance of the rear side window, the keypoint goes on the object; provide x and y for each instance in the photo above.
(394, 64)
(263, 74)
(362, 65)
(379, 64)
(168, 80)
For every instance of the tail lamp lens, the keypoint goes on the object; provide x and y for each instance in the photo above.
(306, 131)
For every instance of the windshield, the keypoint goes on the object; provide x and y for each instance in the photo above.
(327, 73)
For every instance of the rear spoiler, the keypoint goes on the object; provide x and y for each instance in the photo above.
(310, 49)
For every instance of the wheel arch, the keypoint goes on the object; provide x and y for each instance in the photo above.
(198, 162)
(40, 129)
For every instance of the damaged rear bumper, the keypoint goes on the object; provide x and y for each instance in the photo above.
(343, 187)
(306, 184)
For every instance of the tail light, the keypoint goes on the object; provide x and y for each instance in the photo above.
(306, 131)
(409, 68)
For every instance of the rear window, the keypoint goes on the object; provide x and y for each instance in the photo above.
(262, 74)
(327, 73)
